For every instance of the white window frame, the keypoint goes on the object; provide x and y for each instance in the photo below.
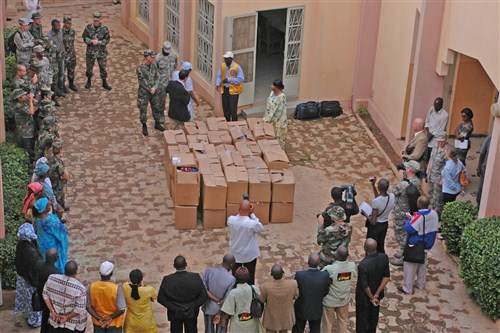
(143, 10)
(172, 22)
(205, 39)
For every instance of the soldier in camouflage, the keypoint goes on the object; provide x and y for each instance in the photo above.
(332, 232)
(434, 167)
(54, 56)
(56, 36)
(167, 63)
(147, 75)
(23, 115)
(36, 29)
(96, 36)
(24, 43)
(59, 174)
(21, 79)
(402, 207)
(36, 82)
(69, 46)
(47, 136)
(47, 73)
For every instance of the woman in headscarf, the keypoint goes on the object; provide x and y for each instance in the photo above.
(26, 259)
(139, 298)
(42, 176)
(33, 193)
(51, 232)
(276, 111)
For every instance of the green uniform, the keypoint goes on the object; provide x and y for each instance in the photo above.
(401, 207)
(36, 32)
(24, 47)
(99, 52)
(25, 127)
(330, 238)
(434, 189)
(69, 46)
(166, 67)
(54, 57)
(148, 78)
(56, 177)
(23, 83)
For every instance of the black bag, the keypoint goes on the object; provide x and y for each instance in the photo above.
(10, 45)
(256, 307)
(330, 109)
(415, 253)
(36, 302)
(412, 193)
(309, 110)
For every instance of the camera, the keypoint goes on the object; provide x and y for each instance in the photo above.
(246, 196)
(400, 167)
(349, 195)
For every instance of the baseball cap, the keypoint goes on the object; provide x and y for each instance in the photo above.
(228, 54)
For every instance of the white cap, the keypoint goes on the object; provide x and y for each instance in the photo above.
(186, 66)
(167, 46)
(228, 54)
(106, 268)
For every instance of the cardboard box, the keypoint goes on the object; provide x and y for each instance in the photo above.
(221, 149)
(179, 161)
(253, 121)
(214, 218)
(269, 145)
(283, 185)
(239, 123)
(186, 189)
(276, 159)
(231, 158)
(259, 185)
(248, 148)
(186, 217)
(237, 183)
(216, 124)
(174, 137)
(210, 166)
(219, 137)
(262, 211)
(264, 131)
(196, 138)
(241, 134)
(197, 127)
(232, 209)
(255, 162)
(175, 150)
(204, 151)
(214, 192)
(281, 212)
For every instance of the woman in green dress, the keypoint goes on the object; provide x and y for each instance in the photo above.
(276, 111)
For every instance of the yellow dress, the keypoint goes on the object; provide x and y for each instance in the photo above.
(139, 317)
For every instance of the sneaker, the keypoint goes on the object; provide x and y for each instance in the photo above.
(397, 262)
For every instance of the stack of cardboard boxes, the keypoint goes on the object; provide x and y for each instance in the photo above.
(210, 166)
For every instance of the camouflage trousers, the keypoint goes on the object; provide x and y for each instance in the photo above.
(399, 232)
(70, 65)
(435, 192)
(90, 60)
(162, 99)
(143, 98)
(60, 194)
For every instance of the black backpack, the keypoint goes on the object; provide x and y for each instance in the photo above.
(11, 46)
(412, 193)
(309, 110)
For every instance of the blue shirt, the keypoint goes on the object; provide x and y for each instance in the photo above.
(451, 176)
(234, 80)
(219, 282)
(414, 228)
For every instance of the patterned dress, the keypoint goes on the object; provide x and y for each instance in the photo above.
(276, 113)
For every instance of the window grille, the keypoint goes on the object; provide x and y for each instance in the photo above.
(173, 23)
(205, 38)
(144, 10)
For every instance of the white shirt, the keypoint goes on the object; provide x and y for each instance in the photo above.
(380, 203)
(243, 231)
(436, 122)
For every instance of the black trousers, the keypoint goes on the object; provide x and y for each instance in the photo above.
(300, 325)
(447, 197)
(378, 232)
(366, 315)
(63, 330)
(230, 105)
(251, 269)
(189, 325)
(44, 328)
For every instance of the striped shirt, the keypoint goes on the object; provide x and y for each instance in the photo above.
(67, 295)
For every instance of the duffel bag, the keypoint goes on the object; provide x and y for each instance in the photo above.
(330, 109)
(309, 110)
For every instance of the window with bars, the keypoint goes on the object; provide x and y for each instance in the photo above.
(294, 40)
(144, 10)
(205, 36)
(173, 23)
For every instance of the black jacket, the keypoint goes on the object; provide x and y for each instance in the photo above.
(44, 271)
(179, 100)
(182, 293)
(27, 257)
(313, 286)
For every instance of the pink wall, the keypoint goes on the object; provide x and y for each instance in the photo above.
(490, 199)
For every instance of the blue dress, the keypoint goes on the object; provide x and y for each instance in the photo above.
(53, 234)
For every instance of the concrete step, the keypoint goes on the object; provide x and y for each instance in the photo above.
(258, 111)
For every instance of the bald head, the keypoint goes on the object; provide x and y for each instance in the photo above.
(245, 207)
(423, 202)
(71, 268)
(277, 272)
(383, 185)
(341, 253)
(313, 260)
(20, 70)
(51, 256)
(371, 246)
(418, 124)
(228, 261)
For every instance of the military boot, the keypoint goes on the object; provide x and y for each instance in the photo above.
(72, 86)
(89, 83)
(145, 129)
(159, 127)
(105, 85)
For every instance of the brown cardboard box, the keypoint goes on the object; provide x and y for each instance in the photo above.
(210, 166)
(283, 185)
(248, 148)
(221, 149)
(203, 151)
(281, 212)
(214, 218)
(197, 127)
(241, 134)
(181, 160)
(239, 123)
(263, 131)
(253, 121)
(175, 150)
(219, 137)
(196, 138)
(232, 209)
(255, 162)
(214, 192)
(259, 185)
(269, 145)
(187, 189)
(186, 217)
(216, 124)
(276, 159)
(237, 183)
(262, 211)
(174, 137)
(231, 158)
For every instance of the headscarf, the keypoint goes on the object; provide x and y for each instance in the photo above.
(33, 188)
(26, 232)
(41, 169)
(41, 205)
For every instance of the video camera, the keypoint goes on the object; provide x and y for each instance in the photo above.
(420, 174)
(350, 193)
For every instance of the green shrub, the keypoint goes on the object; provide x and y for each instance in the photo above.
(8, 87)
(480, 264)
(15, 177)
(7, 32)
(455, 217)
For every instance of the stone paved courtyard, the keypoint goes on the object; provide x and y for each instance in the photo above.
(121, 210)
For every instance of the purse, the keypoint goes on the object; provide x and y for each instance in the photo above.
(415, 253)
(256, 307)
(464, 181)
(36, 302)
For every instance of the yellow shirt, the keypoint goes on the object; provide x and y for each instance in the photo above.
(103, 297)
(140, 317)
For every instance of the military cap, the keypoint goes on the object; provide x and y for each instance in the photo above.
(36, 15)
(167, 46)
(57, 146)
(336, 213)
(18, 93)
(36, 65)
(49, 121)
(45, 90)
(23, 21)
(440, 136)
(149, 53)
(38, 48)
(96, 16)
(412, 165)
(67, 19)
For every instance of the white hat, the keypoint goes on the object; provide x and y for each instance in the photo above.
(167, 46)
(228, 54)
(106, 268)
(413, 165)
(186, 66)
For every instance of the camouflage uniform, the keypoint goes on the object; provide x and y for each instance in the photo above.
(434, 189)
(69, 46)
(99, 51)
(57, 169)
(48, 135)
(333, 235)
(54, 57)
(166, 66)
(36, 32)
(147, 75)
(23, 83)
(401, 207)
(24, 122)
(24, 47)
(46, 74)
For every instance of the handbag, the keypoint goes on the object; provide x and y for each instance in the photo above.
(415, 253)
(36, 303)
(463, 179)
(256, 307)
